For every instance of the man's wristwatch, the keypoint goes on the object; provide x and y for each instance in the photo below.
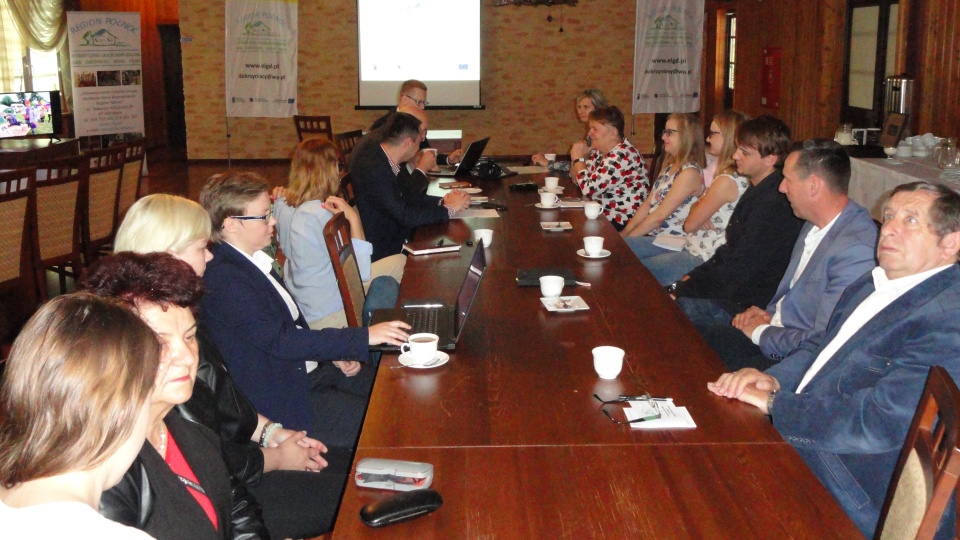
(770, 399)
(581, 160)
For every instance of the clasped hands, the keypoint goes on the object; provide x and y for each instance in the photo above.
(749, 320)
(297, 451)
(747, 385)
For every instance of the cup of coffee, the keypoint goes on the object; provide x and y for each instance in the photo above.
(592, 209)
(593, 245)
(550, 157)
(608, 361)
(483, 234)
(551, 286)
(548, 200)
(422, 348)
(431, 150)
(551, 182)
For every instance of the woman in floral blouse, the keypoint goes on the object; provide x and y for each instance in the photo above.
(706, 225)
(678, 186)
(610, 170)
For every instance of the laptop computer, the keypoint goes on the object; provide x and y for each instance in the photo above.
(447, 322)
(470, 158)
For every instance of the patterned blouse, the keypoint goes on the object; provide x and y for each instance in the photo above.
(617, 180)
(704, 243)
(673, 225)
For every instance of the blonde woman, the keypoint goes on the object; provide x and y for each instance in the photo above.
(76, 405)
(586, 102)
(706, 224)
(675, 190)
(302, 210)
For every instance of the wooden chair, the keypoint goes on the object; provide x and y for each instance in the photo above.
(346, 142)
(346, 189)
(337, 235)
(312, 127)
(132, 176)
(61, 204)
(101, 219)
(929, 464)
(18, 240)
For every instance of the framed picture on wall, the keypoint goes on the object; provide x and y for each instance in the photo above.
(893, 129)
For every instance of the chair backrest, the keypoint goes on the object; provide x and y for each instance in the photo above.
(346, 189)
(312, 127)
(132, 176)
(929, 464)
(18, 238)
(61, 201)
(346, 142)
(345, 266)
(101, 220)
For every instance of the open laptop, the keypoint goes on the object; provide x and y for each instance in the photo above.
(470, 158)
(447, 322)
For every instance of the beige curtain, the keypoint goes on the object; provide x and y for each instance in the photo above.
(42, 23)
(11, 53)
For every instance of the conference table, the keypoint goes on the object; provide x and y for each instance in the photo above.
(519, 445)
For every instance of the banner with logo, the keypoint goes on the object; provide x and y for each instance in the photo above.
(106, 70)
(667, 56)
(261, 58)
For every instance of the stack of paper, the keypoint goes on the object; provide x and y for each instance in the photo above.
(671, 416)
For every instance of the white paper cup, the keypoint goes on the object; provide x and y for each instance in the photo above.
(422, 348)
(550, 157)
(551, 286)
(593, 245)
(484, 234)
(608, 361)
(548, 200)
(551, 182)
(592, 209)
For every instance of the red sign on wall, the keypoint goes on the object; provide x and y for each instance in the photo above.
(770, 74)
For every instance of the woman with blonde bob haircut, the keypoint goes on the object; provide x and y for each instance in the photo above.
(75, 400)
(302, 210)
(167, 223)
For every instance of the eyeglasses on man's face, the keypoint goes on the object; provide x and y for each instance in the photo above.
(420, 102)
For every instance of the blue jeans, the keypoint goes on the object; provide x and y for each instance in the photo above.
(382, 294)
(642, 247)
(669, 267)
(707, 311)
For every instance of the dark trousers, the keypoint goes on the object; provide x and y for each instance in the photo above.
(339, 404)
(733, 346)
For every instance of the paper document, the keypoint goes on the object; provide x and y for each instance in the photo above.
(476, 213)
(671, 416)
(532, 169)
(671, 242)
(571, 204)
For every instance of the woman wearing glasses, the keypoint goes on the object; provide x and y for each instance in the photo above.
(586, 102)
(302, 211)
(679, 184)
(706, 224)
(76, 403)
(610, 170)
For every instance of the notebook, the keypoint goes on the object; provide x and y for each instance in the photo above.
(447, 322)
(470, 158)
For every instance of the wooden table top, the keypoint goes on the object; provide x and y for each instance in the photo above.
(520, 446)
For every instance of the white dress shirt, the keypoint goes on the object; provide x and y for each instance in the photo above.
(886, 291)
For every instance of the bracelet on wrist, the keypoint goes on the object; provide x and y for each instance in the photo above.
(263, 433)
(770, 400)
(268, 432)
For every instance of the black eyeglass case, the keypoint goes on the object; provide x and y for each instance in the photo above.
(400, 507)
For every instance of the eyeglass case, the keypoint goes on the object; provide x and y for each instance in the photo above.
(400, 507)
(393, 474)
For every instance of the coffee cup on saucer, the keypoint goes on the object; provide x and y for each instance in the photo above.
(548, 200)
(484, 234)
(592, 209)
(593, 245)
(551, 286)
(421, 348)
(608, 361)
(551, 182)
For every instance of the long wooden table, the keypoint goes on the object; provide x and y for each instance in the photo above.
(519, 445)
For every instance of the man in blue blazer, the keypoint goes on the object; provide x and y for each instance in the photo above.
(845, 398)
(835, 247)
(274, 356)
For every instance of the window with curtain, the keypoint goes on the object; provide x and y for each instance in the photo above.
(23, 68)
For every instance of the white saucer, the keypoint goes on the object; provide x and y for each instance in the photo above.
(564, 304)
(603, 254)
(408, 361)
(471, 190)
(557, 190)
(542, 207)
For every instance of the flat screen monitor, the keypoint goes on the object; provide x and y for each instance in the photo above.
(30, 113)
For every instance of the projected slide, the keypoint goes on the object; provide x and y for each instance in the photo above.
(435, 41)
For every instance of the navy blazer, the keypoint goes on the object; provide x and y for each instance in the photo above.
(850, 421)
(845, 253)
(265, 349)
(389, 212)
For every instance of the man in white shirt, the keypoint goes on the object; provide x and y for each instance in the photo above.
(845, 398)
(835, 247)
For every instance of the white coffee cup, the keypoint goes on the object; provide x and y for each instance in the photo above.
(431, 150)
(551, 286)
(550, 157)
(422, 348)
(608, 361)
(593, 245)
(548, 200)
(484, 234)
(592, 209)
(551, 182)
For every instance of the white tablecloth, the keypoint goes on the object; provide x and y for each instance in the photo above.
(873, 178)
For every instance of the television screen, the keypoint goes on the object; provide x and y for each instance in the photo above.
(30, 113)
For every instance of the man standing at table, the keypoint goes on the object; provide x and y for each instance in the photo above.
(845, 398)
(745, 270)
(388, 212)
(835, 247)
